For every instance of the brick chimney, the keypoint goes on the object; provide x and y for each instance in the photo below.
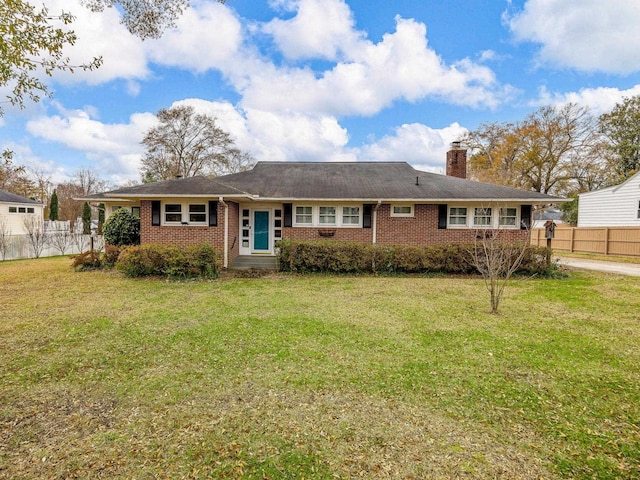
(457, 161)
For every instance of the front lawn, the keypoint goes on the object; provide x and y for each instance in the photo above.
(316, 377)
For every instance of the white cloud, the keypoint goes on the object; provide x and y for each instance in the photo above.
(207, 36)
(320, 29)
(372, 77)
(100, 34)
(588, 35)
(423, 147)
(599, 100)
(114, 148)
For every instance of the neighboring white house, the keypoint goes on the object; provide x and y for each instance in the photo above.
(14, 210)
(617, 206)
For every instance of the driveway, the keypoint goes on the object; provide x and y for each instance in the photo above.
(631, 269)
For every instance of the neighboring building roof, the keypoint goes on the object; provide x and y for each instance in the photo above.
(8, 197)
(548, 214)
(365, 181)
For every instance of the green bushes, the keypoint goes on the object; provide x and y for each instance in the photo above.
(122, 228)
(169, 260)
(348, 257)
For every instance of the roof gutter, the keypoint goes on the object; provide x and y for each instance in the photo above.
(225, 263)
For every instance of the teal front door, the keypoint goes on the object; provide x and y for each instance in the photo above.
(260, 231)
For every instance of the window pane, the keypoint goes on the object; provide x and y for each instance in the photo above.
(197, 217)
(482, 217)
(31, 210)
(22, 210)
(173, 217)
(508, 216)
(135, 211)
(327, 215)
(402, 210)
(13, 209)
(173, 208)
(304, 215)
(197, 208)
(350, 215)
(458, 216)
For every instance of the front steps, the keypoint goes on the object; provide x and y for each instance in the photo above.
(255, 262)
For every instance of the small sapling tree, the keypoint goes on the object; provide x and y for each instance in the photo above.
(497, 259)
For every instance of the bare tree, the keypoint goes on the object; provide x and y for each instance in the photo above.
(61, 240)
(497, 260)
(36, 234)
(186, 144)
(5, 238)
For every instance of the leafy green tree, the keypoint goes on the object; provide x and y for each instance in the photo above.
(53, 207)
(570, 211)
(33, 41)
(621, 126)
(122, 228)
(86, 219)
(101, 208)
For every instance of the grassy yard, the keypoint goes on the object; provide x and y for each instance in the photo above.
(316, 377)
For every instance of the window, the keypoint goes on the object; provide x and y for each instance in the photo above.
(327, 216)
(197, 213)
(31, 210)
(351, 215)
(482, 217)
(173, 213)
(639, 209)
(508, 217)
(135, 211)
(304, 215)
(458, 216)
(13, 209)
(22, 209)
(402, 210)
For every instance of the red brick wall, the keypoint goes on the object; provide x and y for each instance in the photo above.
(421, 229)
(191, 235)
(179, 235)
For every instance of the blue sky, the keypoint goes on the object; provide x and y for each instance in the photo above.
(327, 80)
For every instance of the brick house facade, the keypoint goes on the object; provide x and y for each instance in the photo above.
(245, 214)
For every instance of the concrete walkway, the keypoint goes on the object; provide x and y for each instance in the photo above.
(632, 269)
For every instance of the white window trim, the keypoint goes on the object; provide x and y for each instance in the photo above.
(295, 216)
(403, 215)
(515, 218)
(184, 213)
(495, 217)
(458, 225)
(350, 225)
(315, 216)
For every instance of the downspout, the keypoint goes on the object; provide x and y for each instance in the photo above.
(225, 263)
(375, 221)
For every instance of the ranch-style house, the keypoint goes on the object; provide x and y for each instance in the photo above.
(243, 215)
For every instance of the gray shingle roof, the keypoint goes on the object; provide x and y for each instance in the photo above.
(365, 181)
(8, 197)
(334, 181)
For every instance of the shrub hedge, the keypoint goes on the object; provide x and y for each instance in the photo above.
(169, 260)
(349, 257)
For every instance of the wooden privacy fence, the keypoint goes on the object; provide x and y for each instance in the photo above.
(600, 240)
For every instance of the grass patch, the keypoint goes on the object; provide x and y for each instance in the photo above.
(316, 377)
